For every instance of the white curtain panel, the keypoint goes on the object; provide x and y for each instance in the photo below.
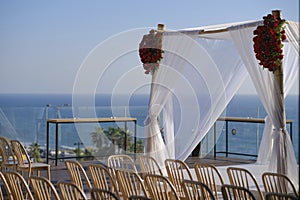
(196, 80)
(160, 140)
(276, 147)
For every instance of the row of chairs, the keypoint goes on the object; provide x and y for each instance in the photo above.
(158, 186)
(121, 168)
(41, 188)
(177, 171)
(122, 183)
(14, 157)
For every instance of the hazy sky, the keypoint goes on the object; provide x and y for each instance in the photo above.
(43, 43)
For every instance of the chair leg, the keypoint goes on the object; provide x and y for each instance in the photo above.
(29, 173)
(48, 170)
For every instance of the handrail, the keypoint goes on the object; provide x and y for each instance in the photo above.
(241, 119)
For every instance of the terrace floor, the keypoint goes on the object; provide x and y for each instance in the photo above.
(59, 172)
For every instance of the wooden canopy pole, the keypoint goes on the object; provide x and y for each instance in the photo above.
(282, 152)
(149, 141)
(279, 77)
(279, 72)
(160, 27)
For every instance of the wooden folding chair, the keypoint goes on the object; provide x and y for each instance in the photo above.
(177, 172)
(278, 183)
(43, 189)
(280, 196)
(7, 193)
(196, 190)
(8, 160)
(232, 192)
(18, 186)
(149, 165)
(160, 187)
(121, 162)
(100, 194)
(130, 184)
(70, 191)
(243, 178)
(24, 162)
(102, 178)
(78, 175)
(210, 176)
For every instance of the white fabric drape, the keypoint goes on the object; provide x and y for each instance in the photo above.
(195, 81)
(276, 145)
(162, 91)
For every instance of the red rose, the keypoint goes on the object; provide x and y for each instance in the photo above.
(150, 51)
(268, 42)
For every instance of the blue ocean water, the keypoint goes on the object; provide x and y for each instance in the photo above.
(23, 116)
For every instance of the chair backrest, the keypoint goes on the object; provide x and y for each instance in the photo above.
(196, 190)
(70, 191)
(243, 178)
(101, 178)
(177, 172)
(20, 153)
(78, 175)
(100, 194)
(6, 153)
(149, 165)
(43, 189)
(232, 192)
(160, 187)
(278, 183)
(130, 183)
(18, 186)
(121, 162)
(210, 176)
(7, 191)
(280, 196)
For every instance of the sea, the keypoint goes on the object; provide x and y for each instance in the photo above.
(24, 116)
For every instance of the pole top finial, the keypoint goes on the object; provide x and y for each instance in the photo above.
(276, 13)
(160, 27)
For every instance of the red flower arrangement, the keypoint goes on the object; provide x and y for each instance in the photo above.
(268, 42)
(150, 51)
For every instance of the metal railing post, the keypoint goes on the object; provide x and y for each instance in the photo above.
(215, 143)
(226, 138)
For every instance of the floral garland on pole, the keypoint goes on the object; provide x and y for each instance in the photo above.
(150, 51)
(268, 42)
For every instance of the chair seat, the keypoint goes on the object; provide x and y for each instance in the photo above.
(24, 161)
(10, 163)
(35, 166)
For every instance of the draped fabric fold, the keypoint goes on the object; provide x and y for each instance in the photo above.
(193, 85)
(276, 145)
(155, 146)
(160, 144)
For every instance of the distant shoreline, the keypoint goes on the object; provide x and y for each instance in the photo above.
(61, 99)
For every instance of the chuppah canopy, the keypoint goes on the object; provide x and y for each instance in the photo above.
(201, 70)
